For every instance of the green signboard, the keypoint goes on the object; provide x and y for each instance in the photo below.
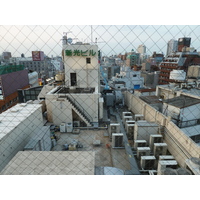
(77, 52)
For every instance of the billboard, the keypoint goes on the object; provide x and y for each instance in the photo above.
(37, 55)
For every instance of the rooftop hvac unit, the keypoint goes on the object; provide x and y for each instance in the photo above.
(62, 128)
(117, 140)
(143, 151)
(166, 157)
(114, 128)
(76, 123)
(139, 143)
(69, 127)
(139, 117)
(155, 139)
(159, 149)
(163, 164)
(126, 114)
(127, 118)
(130, 131)
(129, 122)
(147, 162)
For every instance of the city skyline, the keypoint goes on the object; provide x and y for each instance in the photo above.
(111, 39)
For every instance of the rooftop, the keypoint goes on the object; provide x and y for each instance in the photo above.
(51, 163)
(63, 90)
(14, 116)
(192, 130)
(151, 99)
(182, 101)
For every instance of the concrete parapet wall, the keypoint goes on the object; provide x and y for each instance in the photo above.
(179, 144)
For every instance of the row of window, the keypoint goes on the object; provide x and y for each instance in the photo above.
(9, 104)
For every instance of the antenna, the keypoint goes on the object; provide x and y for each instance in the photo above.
(91, 34)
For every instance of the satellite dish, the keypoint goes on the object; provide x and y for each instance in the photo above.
(69, 40)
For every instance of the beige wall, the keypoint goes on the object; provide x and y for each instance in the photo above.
(179, 144)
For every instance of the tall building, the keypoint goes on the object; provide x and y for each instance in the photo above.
(39, 63)
(180, 60)
(172, 46)
(141, 49)
(132, 59)
(183, 42)
(79, 99)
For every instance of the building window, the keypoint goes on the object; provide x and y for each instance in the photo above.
(88, 60)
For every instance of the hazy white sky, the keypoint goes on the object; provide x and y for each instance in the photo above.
(111, 39)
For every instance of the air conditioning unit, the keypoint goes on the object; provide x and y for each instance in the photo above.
(130, 131)
(63, 127)
(166, 157)
(76, 123)
(139, 143)
(117, 140)
(139, 117)
(126, 114)
(69, 127)
(159, 149)
(155, 139)
(163, 164)
(143, 151)
(147, 162)
(114, 128)
(129, 122)
(127, 118)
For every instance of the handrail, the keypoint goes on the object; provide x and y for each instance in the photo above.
(71, 98)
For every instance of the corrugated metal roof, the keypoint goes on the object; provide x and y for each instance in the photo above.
(182, 101)
(150, 99)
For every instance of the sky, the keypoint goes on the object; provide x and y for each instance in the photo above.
(40, 25)
(111, 39)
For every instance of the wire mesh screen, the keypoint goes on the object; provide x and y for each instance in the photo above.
(99, 100)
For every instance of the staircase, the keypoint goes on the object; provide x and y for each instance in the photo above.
(80, 110)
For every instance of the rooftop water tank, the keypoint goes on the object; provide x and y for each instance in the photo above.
(178, 75)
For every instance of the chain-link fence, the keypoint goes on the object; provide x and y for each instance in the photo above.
(99, 100)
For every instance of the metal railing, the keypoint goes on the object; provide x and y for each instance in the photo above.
(78, 106)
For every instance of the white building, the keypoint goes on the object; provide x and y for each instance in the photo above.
(17, 126)
(132, 79)
(183, 110)
(172, 46)
(78, 99)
